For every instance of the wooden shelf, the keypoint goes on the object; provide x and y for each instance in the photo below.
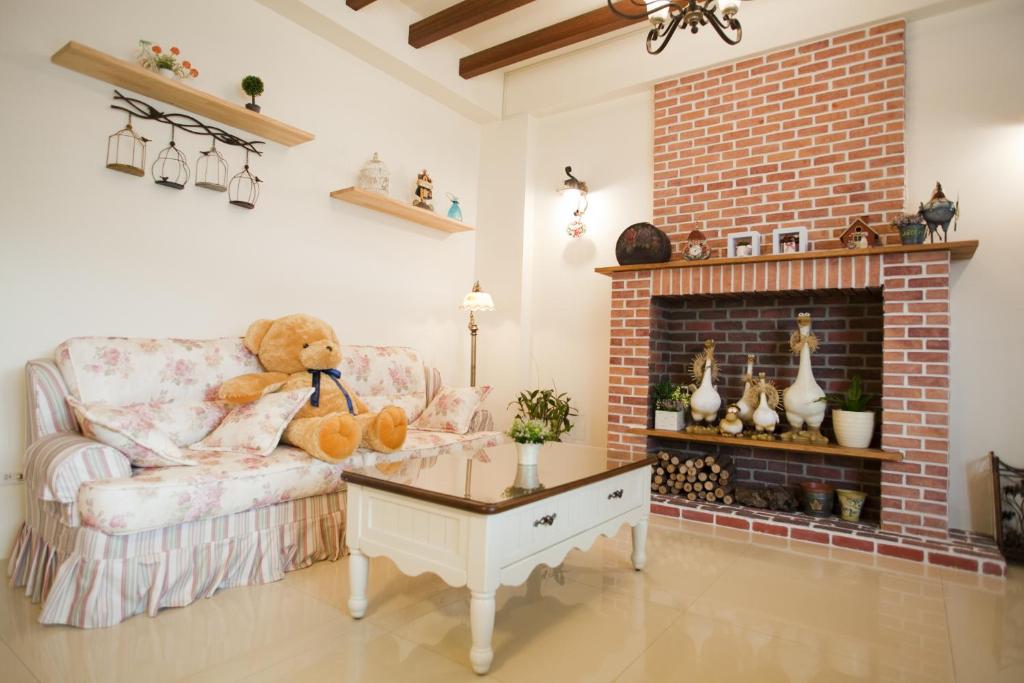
(834, 450)
(394, 207)
(99, 65)
(958, 251)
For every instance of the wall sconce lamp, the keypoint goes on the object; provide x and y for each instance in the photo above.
(575, 192)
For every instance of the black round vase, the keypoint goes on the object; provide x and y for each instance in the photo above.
(642, 243)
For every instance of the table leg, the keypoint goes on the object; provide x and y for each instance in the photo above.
(358, 573)
(481, 623)
(639, 545)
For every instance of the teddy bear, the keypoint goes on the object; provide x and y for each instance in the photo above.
(300, 351)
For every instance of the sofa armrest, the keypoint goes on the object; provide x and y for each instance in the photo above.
(58, 464)
(48, 411)
(482, 421)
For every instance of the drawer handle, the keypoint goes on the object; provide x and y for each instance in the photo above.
(546, 520)
(617, 493)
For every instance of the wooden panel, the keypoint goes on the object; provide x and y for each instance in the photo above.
(394, 207)
(99, 65)
(357, 4)
(827, 449)
(583, 27)
(958, 251)
(458, 17)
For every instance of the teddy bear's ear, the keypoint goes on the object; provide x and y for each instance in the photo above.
(254, 335)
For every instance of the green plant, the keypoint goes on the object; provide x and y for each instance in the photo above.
(853, 399)
(554, 410)
(669, 396)
(529, 431)
(252, 86)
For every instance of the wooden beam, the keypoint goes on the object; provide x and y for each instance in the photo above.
(458, 17)
(583, 27)
(357, 4)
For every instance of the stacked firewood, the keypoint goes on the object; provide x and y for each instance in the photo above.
(708, 477)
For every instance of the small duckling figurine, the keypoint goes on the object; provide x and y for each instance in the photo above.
(731, 424)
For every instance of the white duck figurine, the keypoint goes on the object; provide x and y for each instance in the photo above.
(705, 401)
(731, 425)
(748, 402)
(802, 399)
(766, 416)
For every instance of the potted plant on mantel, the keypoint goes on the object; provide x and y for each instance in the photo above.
(670, 404)
(541, 415)
(853, 423)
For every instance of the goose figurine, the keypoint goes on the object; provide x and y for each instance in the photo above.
(747, 404)
(731, 425)
(705, 401)
(805, 409)
(766, 416)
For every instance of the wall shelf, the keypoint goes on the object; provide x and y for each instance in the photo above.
(834, 450)
(958, 251)
(99, 65)
(394, 207)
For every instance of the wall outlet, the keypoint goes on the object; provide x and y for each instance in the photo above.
(12, 478)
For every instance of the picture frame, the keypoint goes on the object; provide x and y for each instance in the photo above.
(789, 240)
(743, 244)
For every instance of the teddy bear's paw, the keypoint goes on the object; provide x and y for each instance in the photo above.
(391, 426)
(339, 436)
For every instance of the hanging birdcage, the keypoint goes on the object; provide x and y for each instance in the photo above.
(244, 189)
(212, 170)
(126, 151)
(171, 167)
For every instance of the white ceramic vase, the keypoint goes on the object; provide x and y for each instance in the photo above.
(670, 420)
(529, 453)
(853, 429)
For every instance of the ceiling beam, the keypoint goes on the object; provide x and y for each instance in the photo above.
(583, 27)
(357, 4)
(458, 17)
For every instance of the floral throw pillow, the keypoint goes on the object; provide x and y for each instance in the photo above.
(255, 428)
(452, 409)
(150, 434)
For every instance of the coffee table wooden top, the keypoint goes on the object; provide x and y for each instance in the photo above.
(482, 480)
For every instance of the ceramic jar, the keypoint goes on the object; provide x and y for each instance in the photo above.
(850, 504)
(817, 498)
(529, 453)
(853, 429)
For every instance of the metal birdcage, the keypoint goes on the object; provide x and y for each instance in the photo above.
(212, 170)
(126, 151)
(171, 167)
(244, 189)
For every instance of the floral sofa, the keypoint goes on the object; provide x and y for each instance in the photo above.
(103, 541)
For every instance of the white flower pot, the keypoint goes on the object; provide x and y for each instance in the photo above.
(529, 453)
(853, 429)
(167, 73)
(672, 420)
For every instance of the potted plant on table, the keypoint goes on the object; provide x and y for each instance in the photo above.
(853, 423)
(670, 404)
(541, 415)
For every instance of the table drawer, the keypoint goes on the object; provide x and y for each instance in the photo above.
(525, 530)
(611, 497)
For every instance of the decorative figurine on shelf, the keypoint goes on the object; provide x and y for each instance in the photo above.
(731, 424)
(253, 87)
(766, 416)
(748, 402)
(704, 398)
(696, 247)
(374, 176)
(802, 399)
(424, 191)
(454, 211)
(939, 212)
(859, 235)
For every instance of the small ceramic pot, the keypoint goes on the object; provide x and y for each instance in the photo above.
(817, 498)
(913, 233)
(850, 504)
(671, 420)
(252, 106)
(529, 453)
(853, 429)
(167, 73)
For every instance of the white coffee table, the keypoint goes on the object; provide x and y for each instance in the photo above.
(459, 516)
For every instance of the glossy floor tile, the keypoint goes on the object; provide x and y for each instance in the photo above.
(711, 605)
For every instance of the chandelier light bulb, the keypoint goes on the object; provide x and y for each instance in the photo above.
(728, 7)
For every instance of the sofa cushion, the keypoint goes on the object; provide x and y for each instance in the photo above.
(452, 409)
(255, 428)
(225, 483)
(386, 375)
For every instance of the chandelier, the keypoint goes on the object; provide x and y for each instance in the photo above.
(666, 16)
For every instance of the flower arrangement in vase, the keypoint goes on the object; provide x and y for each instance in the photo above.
(541, 415)
(670, 404)
(853, 423)
(154, 58)
(529, 436)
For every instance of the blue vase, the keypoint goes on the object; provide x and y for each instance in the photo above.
(455, 211)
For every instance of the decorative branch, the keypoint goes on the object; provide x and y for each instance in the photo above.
(184, 122)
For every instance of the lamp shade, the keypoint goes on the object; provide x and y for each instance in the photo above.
(477, 301)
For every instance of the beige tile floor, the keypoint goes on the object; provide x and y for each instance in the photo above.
(712, 605)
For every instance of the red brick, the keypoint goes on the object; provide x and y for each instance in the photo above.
(698, 516)
(733, 522)
(773, 529)
(852, 543)
(901, 551)
(664, 510)
(955, 561)
(800, 534)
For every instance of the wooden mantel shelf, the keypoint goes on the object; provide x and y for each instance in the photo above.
(99, 65)
(826, 449)
(958, 251)
(394, 207)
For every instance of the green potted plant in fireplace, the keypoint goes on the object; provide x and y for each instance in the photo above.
(853, 423)
(670, 404)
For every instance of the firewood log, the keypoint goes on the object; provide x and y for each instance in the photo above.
(691, 496)
(702, 476)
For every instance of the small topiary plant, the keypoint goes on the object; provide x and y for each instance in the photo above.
(253, 87)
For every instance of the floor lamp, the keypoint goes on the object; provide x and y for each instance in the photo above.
(476, 300)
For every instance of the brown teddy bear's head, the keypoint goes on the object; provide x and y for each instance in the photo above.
(294, 343)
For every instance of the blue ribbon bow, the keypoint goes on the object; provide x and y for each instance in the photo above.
(335, 375)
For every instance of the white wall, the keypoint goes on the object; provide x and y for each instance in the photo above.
(89, 251)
